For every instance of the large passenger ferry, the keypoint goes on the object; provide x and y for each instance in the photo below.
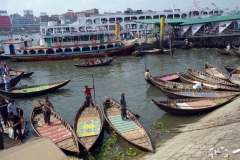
(128, 27)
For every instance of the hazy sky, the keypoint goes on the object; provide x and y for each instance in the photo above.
(61, 6)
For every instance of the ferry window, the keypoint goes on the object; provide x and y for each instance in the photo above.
(84, 38)
(67, 39)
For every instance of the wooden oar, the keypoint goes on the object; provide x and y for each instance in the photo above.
(93, 87)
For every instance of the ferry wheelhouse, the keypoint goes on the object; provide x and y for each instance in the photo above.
(66, 46)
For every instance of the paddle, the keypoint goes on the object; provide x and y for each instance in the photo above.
(19, 80)
(93, 87)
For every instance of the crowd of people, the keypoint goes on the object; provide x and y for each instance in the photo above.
(11, 119)
(98, 61)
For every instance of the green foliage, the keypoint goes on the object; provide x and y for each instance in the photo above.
(158, 125)
(132, 152)
(107, 151)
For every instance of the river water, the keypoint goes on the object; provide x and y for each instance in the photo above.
(127, 77)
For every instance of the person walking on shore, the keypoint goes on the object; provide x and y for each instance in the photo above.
(88, 96)
(47, 108)
(123, 107)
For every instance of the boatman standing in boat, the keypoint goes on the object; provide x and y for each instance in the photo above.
(47, 107)
(123, 107)
(228, 47)
(147, 75)
(88, 96)
(6, 80)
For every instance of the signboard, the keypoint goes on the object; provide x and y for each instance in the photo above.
(43, 13)
(154, 30)
(3, 12)
(224, 25)
(171, 10)
(195, 28)
(184, 29)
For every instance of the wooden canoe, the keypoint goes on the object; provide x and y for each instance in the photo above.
(208, 77)
(93, 115)
(235, 48)
(192, 93)
(206, 84)
(153, 51)
(167, 51)
(131, 130)
(21, 115)
(14, 81)
(235, 76)
(60, 132)
(237, 53)
(214, 71)
(96, 65)
(222, 51)
(169, 77)
(191, 106)
(14, 72)
(229, 68)
(33, 90)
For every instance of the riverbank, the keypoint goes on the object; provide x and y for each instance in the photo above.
(213, 136)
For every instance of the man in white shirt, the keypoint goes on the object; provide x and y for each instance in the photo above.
(12, 107)
(6, 79)
(198, 86)
(228, 47)
(147, 74)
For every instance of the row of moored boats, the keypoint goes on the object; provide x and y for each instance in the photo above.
(218, 88)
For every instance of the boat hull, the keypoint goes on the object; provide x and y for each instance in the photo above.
(53, 57)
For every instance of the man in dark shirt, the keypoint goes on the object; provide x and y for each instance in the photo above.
(123, 107)
(17, 125)
(47, 107)
(4, 112)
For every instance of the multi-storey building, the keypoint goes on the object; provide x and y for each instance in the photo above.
(5, 21)
(25, 22)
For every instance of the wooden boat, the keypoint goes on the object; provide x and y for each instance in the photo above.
(235, 48)
(191, 106)
(131, 130)
(222, 51)
(169, 77)
(235, 76)
(192, 93)
(185, 46)
(60, 132)
(137, 53)
(208, 77)
(237, 53)
(153, 51)
(14, 81)
(23, 122)
(229, 68)
(33, 90)
(84, 115)
(214, 71)
(206, 84)
(96, 65)
(167, 51)
(14, 72)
